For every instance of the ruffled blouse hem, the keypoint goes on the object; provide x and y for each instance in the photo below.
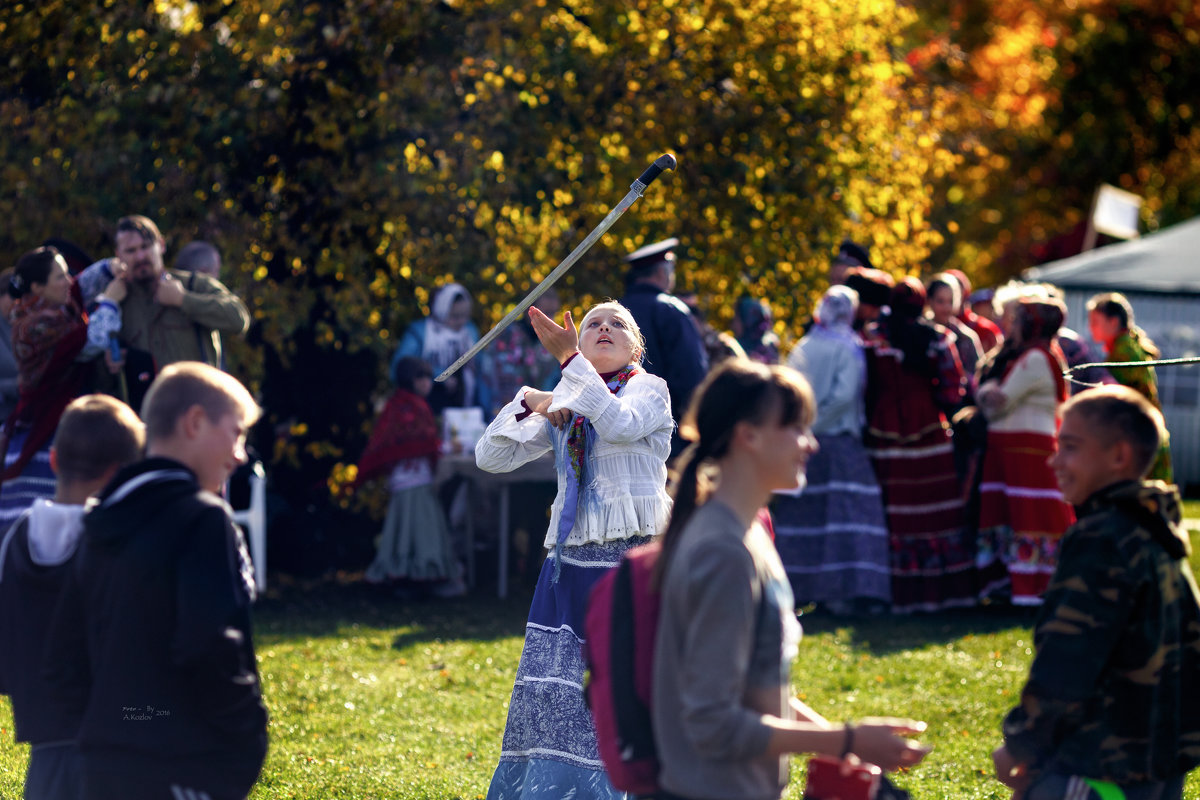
(622, 519)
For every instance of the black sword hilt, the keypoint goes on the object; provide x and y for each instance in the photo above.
(664, 162)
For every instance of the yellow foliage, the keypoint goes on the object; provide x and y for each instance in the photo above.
(347, 161)
(1026, 85)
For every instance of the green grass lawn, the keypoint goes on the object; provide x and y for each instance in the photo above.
(371, 697)
(1191, 510)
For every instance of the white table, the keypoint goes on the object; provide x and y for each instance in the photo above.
(540, 470)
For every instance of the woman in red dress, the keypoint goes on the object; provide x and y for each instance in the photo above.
(913, 376)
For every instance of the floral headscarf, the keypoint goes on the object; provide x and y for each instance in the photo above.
(38, 329)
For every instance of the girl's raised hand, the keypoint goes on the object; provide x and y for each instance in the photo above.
(560, 341)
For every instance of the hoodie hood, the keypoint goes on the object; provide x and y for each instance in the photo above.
(54, 530)
(1154, 505)
(138, 493)
(52, 534)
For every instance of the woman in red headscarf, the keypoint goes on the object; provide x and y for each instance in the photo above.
(53, 340)
(913, 378)
(1022, 512)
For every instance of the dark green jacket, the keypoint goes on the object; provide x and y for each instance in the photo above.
(189, 332)
(1114, 689)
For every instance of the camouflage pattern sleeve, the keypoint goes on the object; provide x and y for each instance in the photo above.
(1085, 611)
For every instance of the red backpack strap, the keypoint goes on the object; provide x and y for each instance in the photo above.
(620, 626)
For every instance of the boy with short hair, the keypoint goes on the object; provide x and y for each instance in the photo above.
(97, 435)
(1112, 705)
(159, 606)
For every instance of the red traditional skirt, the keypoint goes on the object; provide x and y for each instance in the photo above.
(1022, 516)
(932, 563)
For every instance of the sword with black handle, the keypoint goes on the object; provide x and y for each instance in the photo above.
(663, 162)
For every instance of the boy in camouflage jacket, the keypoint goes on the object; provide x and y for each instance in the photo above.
(1112, 705)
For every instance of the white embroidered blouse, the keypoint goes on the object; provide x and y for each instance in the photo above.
(1027, 397)
(623, 492)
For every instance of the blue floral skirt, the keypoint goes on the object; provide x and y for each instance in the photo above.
(549, 748)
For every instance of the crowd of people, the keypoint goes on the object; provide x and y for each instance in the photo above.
(914, 468)
(125, 587)
(920, 450)
(954, 399)
(938, 407)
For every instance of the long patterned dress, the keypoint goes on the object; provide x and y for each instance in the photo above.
(415, 541)
(611, 465)
(1022, 512)
(832, 535)
(908, 438)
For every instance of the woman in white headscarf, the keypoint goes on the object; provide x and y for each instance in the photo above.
(832, 535)
(440, 339)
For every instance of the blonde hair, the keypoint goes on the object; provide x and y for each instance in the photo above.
(183, 385)
(1014, 291)
(626, 316)
(95, 434)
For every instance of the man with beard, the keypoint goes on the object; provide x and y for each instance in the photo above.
(168, 315)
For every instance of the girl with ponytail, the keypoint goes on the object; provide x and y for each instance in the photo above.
(1110, 318)
(724, 719)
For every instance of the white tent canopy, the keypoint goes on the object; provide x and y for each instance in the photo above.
(1167, 262)
(1160, 275)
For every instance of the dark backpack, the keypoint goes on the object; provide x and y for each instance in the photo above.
(618, 649)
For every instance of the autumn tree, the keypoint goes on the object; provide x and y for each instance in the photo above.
(347, 157)
(1042, 102)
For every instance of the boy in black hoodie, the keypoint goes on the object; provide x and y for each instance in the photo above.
(1112, 705)
(97, 435)
(151, 644)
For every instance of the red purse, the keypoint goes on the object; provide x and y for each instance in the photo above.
(830, 779)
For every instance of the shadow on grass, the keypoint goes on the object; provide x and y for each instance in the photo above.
(337, 604)
(882, 634)
(333, 605)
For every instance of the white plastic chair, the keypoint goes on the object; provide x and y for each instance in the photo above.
(254, 521)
